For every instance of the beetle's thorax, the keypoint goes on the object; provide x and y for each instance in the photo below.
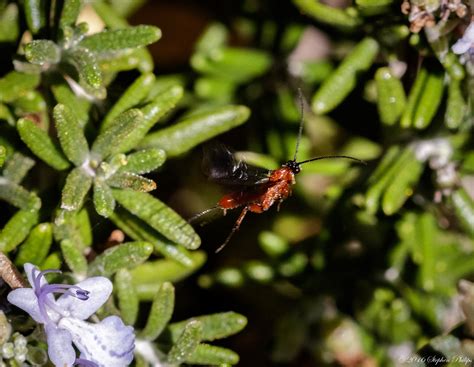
(283, 174)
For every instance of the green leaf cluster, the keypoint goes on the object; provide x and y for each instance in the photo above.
(75, 161)
(180, 342)
(362, 255)
(72, 52)
(223, 68)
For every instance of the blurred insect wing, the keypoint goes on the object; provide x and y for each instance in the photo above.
(220, 166)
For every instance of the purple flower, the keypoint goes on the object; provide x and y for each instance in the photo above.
(108, 343)
(465, 45)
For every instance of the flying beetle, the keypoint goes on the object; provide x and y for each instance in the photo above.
(254, 189)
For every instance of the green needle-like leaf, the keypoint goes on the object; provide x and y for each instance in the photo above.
(15, 84)
(165, 82)
(194, 130)
(125, 8)
(215, 326)
(73, 226)
(120, 39)
(259, 271)
(391, 97)
(464, 209)
(456, 106)
(159, 216)
(70, 135)
(41, 144)
(126, 295)
(389, 157)
(402, 185)
(9, 23)
(134, 94)
(293, 265)
(392, 167)
(7, 115)
(42, 52)
(16, 167)
(34, 14)
(429, 101)
(3, 156)
(425, 233)
(141, 231)
(160, 313)
(82, 223)
(152, 112)
(206, 354)
(73, 257)
(32, 102)
(231, 63)
(87, 67)
(33, 106)
(18, 196)
(327, 14)
(414, 96)
(78, 184)
(53, 261)
(70, 12)
(113, 139)
(215, 88)
(273, 244)
(138, 58)
(373, 3)
(17, 228)
(126, 180)
(216, 35)
(109, 15)
(186, 343)
(147, 277)
(79, 106)
(104, 201)
(125, 255)
(344, 79)
(144, 161)
(36, 247)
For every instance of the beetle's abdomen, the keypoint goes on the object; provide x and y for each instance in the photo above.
(239, 198)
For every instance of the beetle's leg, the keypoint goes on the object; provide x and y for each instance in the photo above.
(279, 204)
(235, 228)
(255, 208)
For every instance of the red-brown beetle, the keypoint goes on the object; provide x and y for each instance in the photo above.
(255, 189)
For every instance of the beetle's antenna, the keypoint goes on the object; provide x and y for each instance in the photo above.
(331, 157)
(199, 215)
(300, 131)
(236, 227)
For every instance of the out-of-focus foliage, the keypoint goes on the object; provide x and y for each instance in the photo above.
(372, 253)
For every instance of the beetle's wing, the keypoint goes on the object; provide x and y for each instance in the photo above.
(220, 166)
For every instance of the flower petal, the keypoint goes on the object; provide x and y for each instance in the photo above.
(469, 32)
(109, 343)
(31, 272)
(466, 42)
(461, 47)
(60, 349)
(25, 298)
(100, 289)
